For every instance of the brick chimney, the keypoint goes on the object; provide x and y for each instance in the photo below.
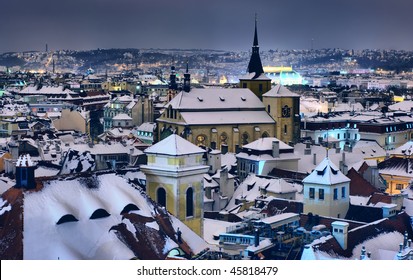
(275, 149)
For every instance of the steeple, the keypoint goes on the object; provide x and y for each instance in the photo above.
(255, 65)
(172, 79)
(187, 80)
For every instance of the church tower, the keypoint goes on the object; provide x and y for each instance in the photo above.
(174, 176)
(255, 79)
(284, 107)
(187, 80)
(173, 86)
(326, 191)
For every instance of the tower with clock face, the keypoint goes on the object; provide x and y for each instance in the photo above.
(284, 107)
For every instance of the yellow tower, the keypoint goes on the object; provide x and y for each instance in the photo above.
(255, 79)
(174, 176)
(284, 107)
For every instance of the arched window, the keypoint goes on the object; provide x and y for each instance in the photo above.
(244, 138)
(269, 109)
(189, 202)
(161, 196)
(265, 134)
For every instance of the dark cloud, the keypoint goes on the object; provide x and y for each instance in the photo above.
(215, 24)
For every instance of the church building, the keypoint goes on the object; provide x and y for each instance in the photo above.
(228, 119)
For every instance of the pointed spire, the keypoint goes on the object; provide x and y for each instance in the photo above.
(187, 79)
(255, 65)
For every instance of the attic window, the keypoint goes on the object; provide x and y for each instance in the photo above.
(243, 98)
(222, 98)
(200, 99)
(250, 186)
(67, 219)
(99, 213)
(128, 208)
(321, 172)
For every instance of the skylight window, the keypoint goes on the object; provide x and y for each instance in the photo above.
(99, 213)
(200, 99)
(243, 98)
(222, 98)
(66, 219)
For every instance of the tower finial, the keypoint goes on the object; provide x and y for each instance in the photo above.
(187, 68)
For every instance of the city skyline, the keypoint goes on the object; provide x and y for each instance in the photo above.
(79, 25)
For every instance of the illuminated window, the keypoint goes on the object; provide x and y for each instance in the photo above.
(200, 140)
(399, 187)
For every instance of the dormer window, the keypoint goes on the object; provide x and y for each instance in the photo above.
(222, 98)
(243, 98)
(200, 99)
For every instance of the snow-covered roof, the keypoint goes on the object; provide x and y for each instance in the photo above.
(250, 189)
(216, 98)
(404, 150)
(174, 145)
(280, 91)
(250, 76)
(47, 90)
(110, 219)
(406, 105)
(24, 161)
(226, 117)
(265, 144)
(326, 173)
(147, 126)
(122, 116)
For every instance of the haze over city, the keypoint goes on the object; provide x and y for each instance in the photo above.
(92, 24)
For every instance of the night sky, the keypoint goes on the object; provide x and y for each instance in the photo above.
(207, 24)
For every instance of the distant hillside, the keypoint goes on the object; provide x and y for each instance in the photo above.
(217, 61)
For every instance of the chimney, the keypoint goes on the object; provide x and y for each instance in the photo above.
(406, 237)
(224, 149)
(340, 232)
(363, 253)
(307, 150)
(276, 149)
(225, 184)
(256, 237)
(315, 159)
(25, 178)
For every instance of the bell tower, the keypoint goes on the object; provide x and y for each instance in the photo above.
(174, 177)
(255, 79)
